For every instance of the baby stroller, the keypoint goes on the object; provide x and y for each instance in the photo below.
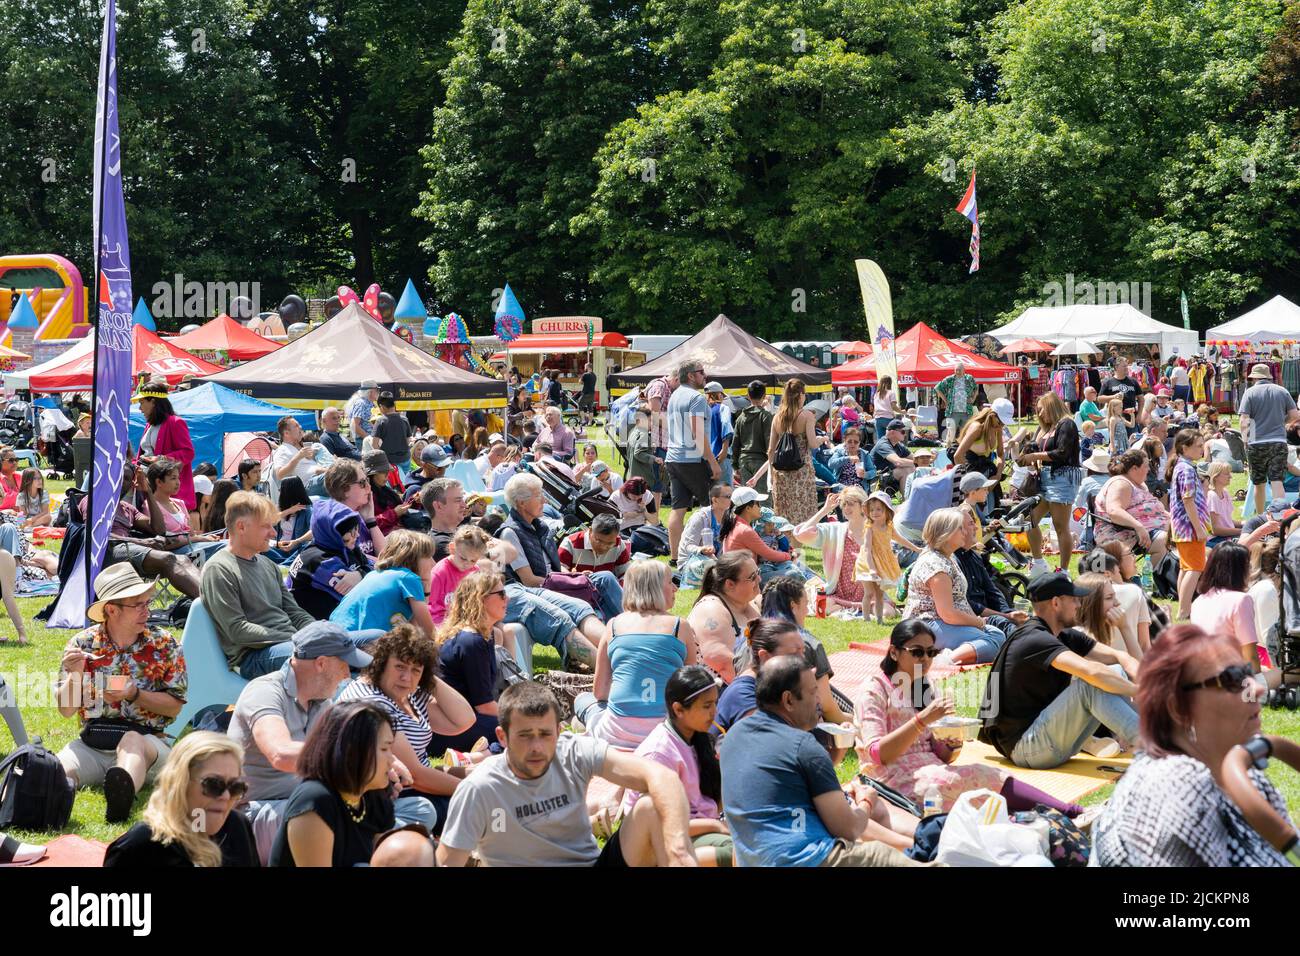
(563, 494)
(1283, 640)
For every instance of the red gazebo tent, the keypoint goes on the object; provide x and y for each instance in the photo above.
(925, 358)
(150, 355)
(224, 334)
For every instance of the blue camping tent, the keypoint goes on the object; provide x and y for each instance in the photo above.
(212, 410)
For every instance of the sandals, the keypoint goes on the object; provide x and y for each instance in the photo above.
(607, 820)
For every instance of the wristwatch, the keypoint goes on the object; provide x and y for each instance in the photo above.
(1260, 750)
(372, 523)
(132, 700)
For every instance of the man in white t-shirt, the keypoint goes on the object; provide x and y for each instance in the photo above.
(528, 805)
(292, 457)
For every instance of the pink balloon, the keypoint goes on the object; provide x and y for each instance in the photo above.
(371, 301)
(347, 296)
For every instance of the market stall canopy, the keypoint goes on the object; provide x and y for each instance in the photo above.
(557, 343)
(224, 334)
(1121, 324)
(925, 358)
(325, 366)
(730, 356)
(212, 411)
(1277, 320)
(150, 356)
(82, 346)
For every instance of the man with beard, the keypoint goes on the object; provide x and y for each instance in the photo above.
(1052, 687)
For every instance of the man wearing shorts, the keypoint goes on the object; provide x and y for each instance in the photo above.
(126, 682)
(1266, 410)
(692, 467)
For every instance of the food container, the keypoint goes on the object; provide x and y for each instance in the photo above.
(954, 729)
(841, 737)
(117, 682)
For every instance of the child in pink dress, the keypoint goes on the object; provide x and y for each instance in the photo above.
(468, 547)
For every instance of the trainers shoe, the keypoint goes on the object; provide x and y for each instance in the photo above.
(1101, 747)
(1088, 817)
(456, 758)
(119, 795)
(1038, 566)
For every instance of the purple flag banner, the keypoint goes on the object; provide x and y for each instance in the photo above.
(113, 338)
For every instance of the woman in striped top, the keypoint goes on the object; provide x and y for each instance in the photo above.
(403, 679)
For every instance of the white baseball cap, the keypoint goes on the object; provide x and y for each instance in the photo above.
(1006, 412)
(743, 496)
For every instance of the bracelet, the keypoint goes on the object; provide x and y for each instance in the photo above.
(920, 725)
(374, 523)
(132, 700)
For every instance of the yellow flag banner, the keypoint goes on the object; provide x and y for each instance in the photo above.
(879, 309)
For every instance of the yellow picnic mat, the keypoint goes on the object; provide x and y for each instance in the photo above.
(1075, 778)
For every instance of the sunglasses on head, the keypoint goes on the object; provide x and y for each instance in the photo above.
(919, 652)
(214, 786)
(1233, 677)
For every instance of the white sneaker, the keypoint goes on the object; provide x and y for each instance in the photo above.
(1101, 747)
(1038, 566)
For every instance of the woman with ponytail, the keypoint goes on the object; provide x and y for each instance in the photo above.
(767, 638)
(682, 743)
(898, 748)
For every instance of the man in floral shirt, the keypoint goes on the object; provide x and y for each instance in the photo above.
(126, 682)
(957, 397)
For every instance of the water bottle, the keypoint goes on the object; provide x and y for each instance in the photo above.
(933, 802)
(1148, 579)
(706, 537)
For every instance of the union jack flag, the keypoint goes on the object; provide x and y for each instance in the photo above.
(970, 209)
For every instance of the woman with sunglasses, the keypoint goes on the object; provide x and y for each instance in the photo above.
(727, 603)
(11, 479)
(189, 819)
(1197, 701)
(639, 651)
(897, 746)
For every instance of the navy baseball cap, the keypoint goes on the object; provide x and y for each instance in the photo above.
(327, 639)
(1054, 584)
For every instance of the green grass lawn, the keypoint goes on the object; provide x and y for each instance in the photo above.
(41, 661)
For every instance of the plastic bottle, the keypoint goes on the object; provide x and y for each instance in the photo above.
(933, 802)
(706, 537)
(1148, 580)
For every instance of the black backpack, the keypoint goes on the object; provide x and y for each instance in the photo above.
(34, 790)
(787, 457)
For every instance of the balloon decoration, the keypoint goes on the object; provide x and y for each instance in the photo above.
(404, 333)
(292, 310)
(370, 302)
(409, 308)
(241, 308)
(333, 306)
(387, 307)
(452, 331)
(509, 317)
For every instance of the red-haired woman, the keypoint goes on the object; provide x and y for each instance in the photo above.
(1197, 700)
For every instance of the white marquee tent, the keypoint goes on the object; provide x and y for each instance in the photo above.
(1100, 324)
(1275, 320)
(19, 379)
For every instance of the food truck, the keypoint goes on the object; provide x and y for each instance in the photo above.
(560, 343)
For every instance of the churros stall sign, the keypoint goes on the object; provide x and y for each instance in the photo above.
(569, 324)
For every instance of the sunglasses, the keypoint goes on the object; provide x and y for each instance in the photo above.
(214, 786)
(919, 652)
(501, 592)
(677, 580)
(1233, 678)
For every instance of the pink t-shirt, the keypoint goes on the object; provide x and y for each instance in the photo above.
(1228, 612)
(446, 578)
(664, 747)
(1221, 505)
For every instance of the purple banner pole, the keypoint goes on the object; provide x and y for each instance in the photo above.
(113, 343)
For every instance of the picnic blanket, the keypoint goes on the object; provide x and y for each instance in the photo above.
(1075, 778)
(72, 850)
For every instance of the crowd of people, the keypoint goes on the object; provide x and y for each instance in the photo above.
(383, 608)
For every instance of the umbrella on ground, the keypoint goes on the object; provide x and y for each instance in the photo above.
(1076, 347)
(1026, 346)
(852, 348)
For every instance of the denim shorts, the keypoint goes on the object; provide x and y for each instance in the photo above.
(1060, 486)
